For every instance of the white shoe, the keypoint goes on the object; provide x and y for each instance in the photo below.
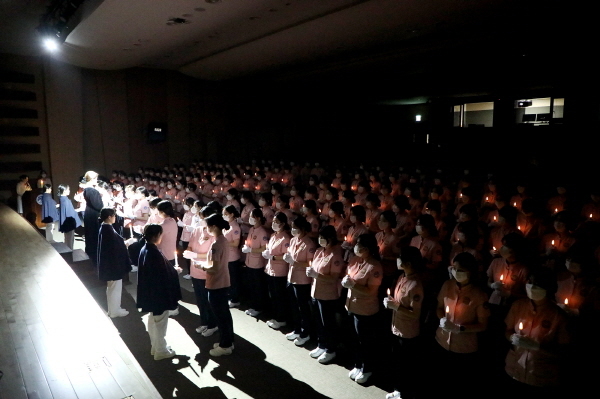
(361, 378)
(209, 331)
(218, 351)
(164, 355)
(201, 329)
(217, 344)
(252, 312)
(315, 353)
(301, 341)
(233, 304)
(153, 352)
(173, 313)
(292, 336)
(119, 313)
(134, 269)
(326, 357)
(187, 277)
(276, 325)
(393, 395)
(353, 373)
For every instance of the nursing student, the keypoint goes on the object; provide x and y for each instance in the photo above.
(254, 245)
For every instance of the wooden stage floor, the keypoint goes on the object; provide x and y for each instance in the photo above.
(55, 341)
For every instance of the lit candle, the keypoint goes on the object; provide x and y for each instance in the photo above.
(487, 199)
(447, 312)
(566, 301)
(520, 327)
(176, 260)
(345, 238)
(502, 278)
(555, 210)
(519, 227)
(591, 216)
(388, 292)
(494, 218)
(494, 248)
(552, 243)
(514, 204)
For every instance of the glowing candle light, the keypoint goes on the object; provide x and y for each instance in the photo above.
(591, 216)
(552, 242)
(494, 218)
(494, 248)
(515, 204)
(555, 210)
(519, 227)
(520, 327)
(388, 292)
(487, 199)
(460, 195)
(176, 260)
(345, 238)
(566, 301)
(447, 312)
(502, 278)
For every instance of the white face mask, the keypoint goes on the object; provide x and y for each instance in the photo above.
(251, 220)
(322, 242)
(278, 205)
(361, 189)
(328, 197)
(229, 197)
(419, 229)
(262, 202)
(331, 214)
(352, 219)
(179, 186)
(169, 186)
(357, 251)
(461, 277)
(187, 208)
(293, 193)
(195, 179)
(534, 292)
(137, 179)
(295, 232)
(243, 200)
(275, 226)
(162, 184)
(194, 210)
(399, 264)
(382, 225)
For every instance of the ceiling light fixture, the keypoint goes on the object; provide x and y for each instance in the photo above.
(212, 1)
(50, 44)
(178, 21)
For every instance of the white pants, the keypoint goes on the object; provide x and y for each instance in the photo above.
(157, 329)
(50, 230)
(113, 296)
(70, 238)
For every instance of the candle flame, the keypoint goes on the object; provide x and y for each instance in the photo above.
(552, 242)
(521, 326)
(555, 210)
(447, 309)
(502, 277)
(566, 301)
(519, 227)
(345, 238)
(515, 204)
(591, 216)
(486, 198)
(494, 248)
(388, 292)
(494, 218)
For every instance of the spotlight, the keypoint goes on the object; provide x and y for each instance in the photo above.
(50, 44)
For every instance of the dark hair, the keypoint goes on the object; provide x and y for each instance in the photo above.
(47, 186)
(370, 242)
(167, 208)
(232, 210)
(349, 195)
(373, 199)
(312, 190)
(471, 232)
(62, 188)
(257, 213)
(152, 232)
(143, 191)
(470, 210)
(390, 217)
(189, 201)
(268, 197)
(509, 214)
(301, 223)
(329, 234)
(284, 200)
(154, 202)
(23, 177)
(428, 222)
(216, 206)
(545, 278)
(413, 256)
(191, 186)
(516, 242)
(401, 201)
(338, 208)
(360, 213)
(282, 217)
(312, 206)
(217, 220)
(468, 261)
(207, 211)
(105, 213)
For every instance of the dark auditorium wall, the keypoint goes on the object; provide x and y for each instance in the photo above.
(97, 119)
